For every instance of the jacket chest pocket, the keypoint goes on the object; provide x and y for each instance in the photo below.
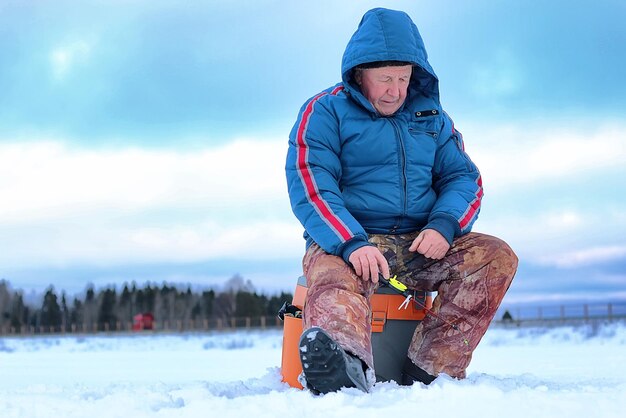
(424, 128)
(426, 123)
(429, 133)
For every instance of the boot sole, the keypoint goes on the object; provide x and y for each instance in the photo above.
(324, 363)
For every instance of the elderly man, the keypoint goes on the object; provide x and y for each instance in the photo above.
(379, 178)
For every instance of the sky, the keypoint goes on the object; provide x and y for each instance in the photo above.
(146, 140)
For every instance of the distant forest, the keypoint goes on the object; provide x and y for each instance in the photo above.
(109, 309)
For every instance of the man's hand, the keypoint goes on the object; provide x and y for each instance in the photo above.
(431, 244)
(368, 261)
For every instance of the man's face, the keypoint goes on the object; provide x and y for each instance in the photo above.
(385, 87)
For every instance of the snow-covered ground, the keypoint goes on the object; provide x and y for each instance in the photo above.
(521, 372)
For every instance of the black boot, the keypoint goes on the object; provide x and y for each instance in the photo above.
(411, 374)
(326, 366)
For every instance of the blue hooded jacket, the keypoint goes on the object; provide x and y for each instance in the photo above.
(353, 172)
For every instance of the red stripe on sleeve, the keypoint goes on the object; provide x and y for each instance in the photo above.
(473, 207)
(304, 170)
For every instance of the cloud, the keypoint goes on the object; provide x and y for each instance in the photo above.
(526, 152)
(88, 241)
(553, 190)
(560, 237)
(63, 205)
(44, 180)
(586, 256)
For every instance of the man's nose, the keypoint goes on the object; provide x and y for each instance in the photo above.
(394, 89)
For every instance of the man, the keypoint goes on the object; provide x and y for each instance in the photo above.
(378, 176)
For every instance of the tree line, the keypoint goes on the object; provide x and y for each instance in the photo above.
(107, 308)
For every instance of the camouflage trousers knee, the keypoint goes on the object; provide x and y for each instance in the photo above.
(470, 282)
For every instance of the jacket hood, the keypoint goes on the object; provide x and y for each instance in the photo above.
(389, 35)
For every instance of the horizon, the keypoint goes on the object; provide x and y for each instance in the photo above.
(34, 297)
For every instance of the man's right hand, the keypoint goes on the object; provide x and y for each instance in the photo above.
(368, 261)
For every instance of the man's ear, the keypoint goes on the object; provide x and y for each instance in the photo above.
(358, 76)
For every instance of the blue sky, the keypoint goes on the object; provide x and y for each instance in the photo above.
(145, 140)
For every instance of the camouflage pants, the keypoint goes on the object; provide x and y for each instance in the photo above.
(470, 282)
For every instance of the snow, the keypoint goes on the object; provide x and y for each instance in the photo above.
(573, 371)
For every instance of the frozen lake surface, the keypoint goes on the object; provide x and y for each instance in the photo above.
(521, 372)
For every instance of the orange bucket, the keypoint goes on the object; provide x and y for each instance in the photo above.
(385, 311)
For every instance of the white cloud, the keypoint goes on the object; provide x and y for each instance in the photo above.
(526, 153)
(537, 232)
(63, 205)
(586, 256)
(45, 180)
(254, 240)
(560, 237)
(85, 241)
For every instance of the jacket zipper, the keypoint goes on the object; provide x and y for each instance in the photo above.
(403, 178)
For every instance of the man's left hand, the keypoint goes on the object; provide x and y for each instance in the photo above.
(431, 244)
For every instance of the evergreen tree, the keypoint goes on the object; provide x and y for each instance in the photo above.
(51, 311)
(140, 302)
(248, 304)
(90, 295)
(125, 312)
(165, 304)
(65, 314)
(206, 302)
(76, 314)
(196, 311)
(90, 308)
(106, 314)
(19, 313)
(184, 304)
(5, 303)
(150, 298)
